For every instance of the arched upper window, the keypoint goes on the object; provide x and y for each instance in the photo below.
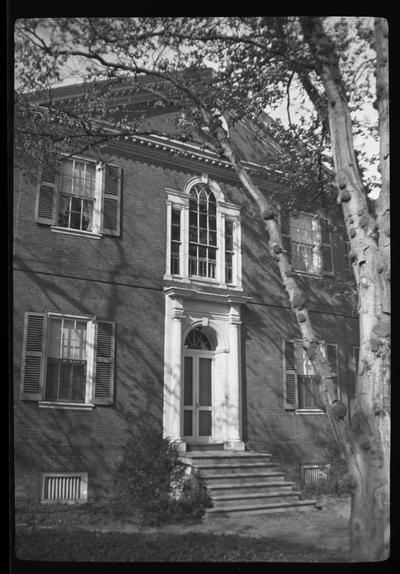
(203, 242)
(201, 339)
(203, 239)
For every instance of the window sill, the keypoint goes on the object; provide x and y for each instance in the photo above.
(66, 406)
(307, 274)
(203, 282)
(309, 412)
(76, 232)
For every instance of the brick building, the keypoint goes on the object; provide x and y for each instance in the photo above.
(144, 293)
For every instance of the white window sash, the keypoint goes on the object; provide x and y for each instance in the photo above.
(90, 352)
(180, 200)
(96, 200)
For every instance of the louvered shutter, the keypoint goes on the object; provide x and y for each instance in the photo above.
(32, 355)
(111, 200)
(290, 377)
(46, 196)
(105, 350)
(333, 362)
(285, 231)
(326, 248)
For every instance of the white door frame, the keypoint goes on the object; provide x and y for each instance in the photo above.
(186, 309)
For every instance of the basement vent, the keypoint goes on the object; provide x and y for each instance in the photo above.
(68, 486)
(314, 474)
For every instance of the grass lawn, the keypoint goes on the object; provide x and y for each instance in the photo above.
(82, 545)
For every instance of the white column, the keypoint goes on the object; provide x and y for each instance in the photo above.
(233, 382)
(172, 370)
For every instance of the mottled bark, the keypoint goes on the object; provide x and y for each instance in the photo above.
(368, 438)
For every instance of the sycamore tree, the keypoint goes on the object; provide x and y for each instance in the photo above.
(332, 66)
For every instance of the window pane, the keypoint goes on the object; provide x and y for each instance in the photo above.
(175, 233)
(203, 206)
(212, 254)
(78, 382)
(212, 237)
(63, 211)
(66, 177)
(76, 204)
(64, 388)
(193, 218)
(192, 204)
(193, 234)
(75, 222)
(308, 391)
(52, 380)
(205, 423)
(203, 221)
(176, 217)
(87, 213)
(203, 236)
(54, 348)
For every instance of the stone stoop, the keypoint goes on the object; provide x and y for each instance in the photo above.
(244, 482)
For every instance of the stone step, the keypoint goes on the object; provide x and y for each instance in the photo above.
(248, 477)
(256, 499)
(205, 459)
(244, 482)
(262, 508)
(226, 468)
(248, 488)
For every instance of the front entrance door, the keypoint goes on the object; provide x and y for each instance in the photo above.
(198, 396)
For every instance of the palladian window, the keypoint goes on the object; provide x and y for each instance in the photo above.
(203, 242)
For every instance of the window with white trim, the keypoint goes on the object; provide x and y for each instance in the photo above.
(203, 242)
(301, 384)
(80, 196)
(67, 360)
(307, 240)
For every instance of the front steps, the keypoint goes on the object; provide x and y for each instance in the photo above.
(244, 482)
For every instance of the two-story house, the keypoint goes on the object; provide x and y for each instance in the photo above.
(144, 293)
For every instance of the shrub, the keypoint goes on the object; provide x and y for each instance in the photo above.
(152, 483)
(336, 483)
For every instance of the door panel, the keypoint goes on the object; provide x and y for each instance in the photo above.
(205, 423)
(205, 381)
(188, 382)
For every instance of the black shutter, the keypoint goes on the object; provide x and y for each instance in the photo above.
(46, 196)
(32, 356)
(105, 352)
(290, 377)
(111, 215)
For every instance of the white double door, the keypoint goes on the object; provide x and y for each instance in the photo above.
(198, 396)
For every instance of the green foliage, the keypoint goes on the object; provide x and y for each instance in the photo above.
(152, 483)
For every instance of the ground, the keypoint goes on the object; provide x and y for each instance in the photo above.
(300, 535)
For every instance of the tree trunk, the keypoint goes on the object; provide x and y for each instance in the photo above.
(368, 454)
(311, 344)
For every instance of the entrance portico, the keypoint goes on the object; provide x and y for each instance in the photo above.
(202, 386)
